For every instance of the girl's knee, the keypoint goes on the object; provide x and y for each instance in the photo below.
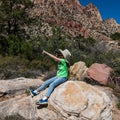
(52, 85)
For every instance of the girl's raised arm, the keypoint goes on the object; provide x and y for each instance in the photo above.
(52, 56)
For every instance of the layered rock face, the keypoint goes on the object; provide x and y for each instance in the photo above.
(74, 18)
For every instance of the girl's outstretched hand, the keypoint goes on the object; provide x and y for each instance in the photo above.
(50, 55)
(43, 52)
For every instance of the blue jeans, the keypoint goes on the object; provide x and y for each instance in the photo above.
(52, 83)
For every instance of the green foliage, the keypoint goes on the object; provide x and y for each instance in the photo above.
(35, 64)
(111, 85)
(118, 105)
(115, 64)
(82, 49)
(26, 50)
(14, 46)
(11, 67)
(83, 44)
(115, 36)
(15, 66)
(3, 45)
(12, 62)
(13, 17)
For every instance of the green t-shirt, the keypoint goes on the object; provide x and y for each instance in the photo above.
(62, 69)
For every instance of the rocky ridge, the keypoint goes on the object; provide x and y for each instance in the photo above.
(75, 18)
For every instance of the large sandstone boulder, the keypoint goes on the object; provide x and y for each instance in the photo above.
(76, 100)
(72, 100)
(78, 71)
(18, 85)
(115, 100)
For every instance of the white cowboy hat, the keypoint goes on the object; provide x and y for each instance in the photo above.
(66, 54)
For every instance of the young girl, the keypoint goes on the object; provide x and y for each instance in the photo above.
(62, 58)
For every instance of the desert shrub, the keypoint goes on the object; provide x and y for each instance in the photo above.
(15, 62)
(115, 36)
(114, 60)
(118, 105)
(35, 64)
(12, 66)
(15, 66)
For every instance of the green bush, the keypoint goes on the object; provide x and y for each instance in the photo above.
(118, 105)
(12, 66)
(115, 36)
(13, 61)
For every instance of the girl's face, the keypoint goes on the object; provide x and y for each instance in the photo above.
(59, 54)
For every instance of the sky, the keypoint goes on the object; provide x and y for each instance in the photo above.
(107, 8)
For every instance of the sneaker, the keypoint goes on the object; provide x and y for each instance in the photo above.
(42, 102)
(32, 93)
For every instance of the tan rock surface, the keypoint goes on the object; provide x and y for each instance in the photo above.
(72, 100)
(78, 71)
(80, 100)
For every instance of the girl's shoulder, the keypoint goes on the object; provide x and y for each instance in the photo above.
(63, 60)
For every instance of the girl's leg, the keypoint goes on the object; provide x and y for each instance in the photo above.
(55, 83)
(45, 84)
